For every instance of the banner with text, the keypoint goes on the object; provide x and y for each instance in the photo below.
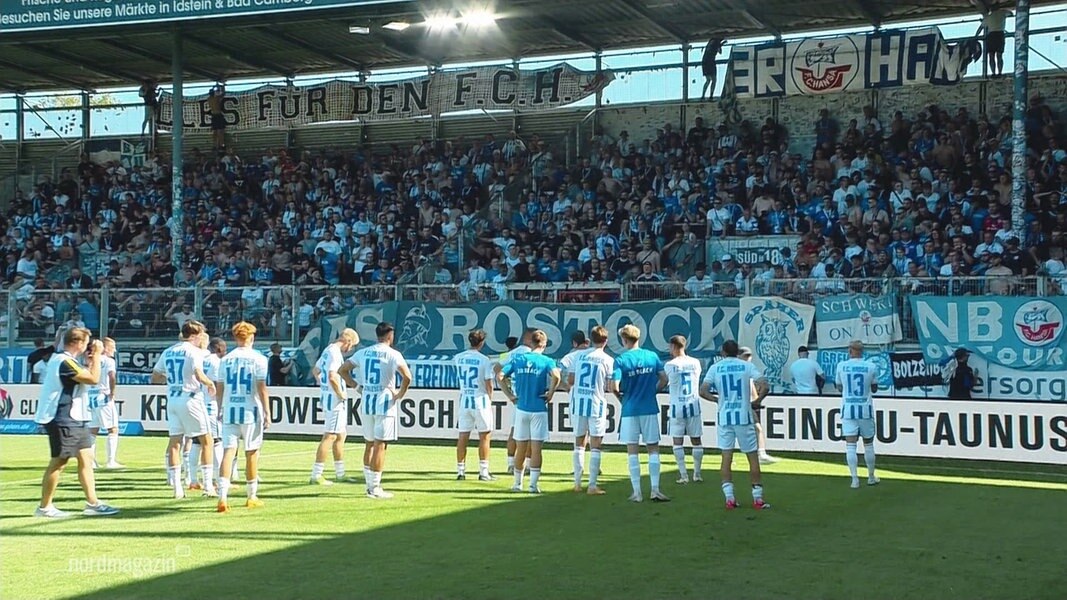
(873, 320)
(428, 329)
(488, 88)
(910, 370)
(774, 328)
(882, 59)
(1017, 332)
(1021, 432)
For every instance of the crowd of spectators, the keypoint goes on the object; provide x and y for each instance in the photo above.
(918, 198)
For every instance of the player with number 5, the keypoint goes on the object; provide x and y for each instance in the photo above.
(858, 379)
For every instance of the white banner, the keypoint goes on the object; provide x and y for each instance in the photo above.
(774, 328)
(982, 430)
(882, 59)
(488, 88)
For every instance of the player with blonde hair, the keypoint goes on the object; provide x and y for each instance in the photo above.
(244, 402)
(857, 379)
(333, 392)
(638, 374)
(105, 415)
(684, 418)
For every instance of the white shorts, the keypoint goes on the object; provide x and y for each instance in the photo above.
(380, 428)
(187, 415)
(692, 427)
(591, 426)
(251, 433)
(738, 435)
(863, 428)
(634, 430)
(475, 419)
(531, 426)
(335, 420)
(105, 416)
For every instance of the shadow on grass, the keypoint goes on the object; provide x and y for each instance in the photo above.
(976, 469)
(903, 539)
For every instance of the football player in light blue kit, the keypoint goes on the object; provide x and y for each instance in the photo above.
(530, 380)
(590, 377)
(579, 345)
(730, 383)
(638, 374)
(858, 379)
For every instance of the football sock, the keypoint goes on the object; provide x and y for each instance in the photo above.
(868, 458)
(216, 456)
(757, 492)
(461, 468)
(112, 447)
(728, 490)
(535, 476)
(511, 462)
(377, 477)
(634, 464)
(207, 473)
(367, 476)
(698, 459)
(594, 467)
(852, 459)
(483, 467)
(339, 469)
(653, 470)
(518, 478)
(679, 457)
(253, 488)
(578, 460)
(173, 477)
(317, 469)
(224, 489)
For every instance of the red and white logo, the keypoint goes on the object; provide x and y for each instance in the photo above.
(825, 66)
(1038, 323)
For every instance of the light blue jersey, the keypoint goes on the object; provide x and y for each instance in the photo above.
(473, 369)
(592, 371)
(855, 377)
(239, 373)
(637, 372)
(529, 379)
(732, 379)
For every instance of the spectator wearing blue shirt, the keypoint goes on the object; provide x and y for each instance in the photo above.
(638, 375)
(530, 381)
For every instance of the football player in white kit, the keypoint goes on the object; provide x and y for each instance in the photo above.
(858, 379)
(579, 345)
(376, 368)
(105, 415)
(334, 394)
(589, 377)
(214, 349)
(729, 382)
(684, 418)
(242, 398)
(181, 368)
(474, 371)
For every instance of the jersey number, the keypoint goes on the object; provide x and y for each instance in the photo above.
(686, 380)
(587, 375)
(237, 380)
(731, 388)
(469, 377)
(372, 367)
(854, 385)
(175, 366)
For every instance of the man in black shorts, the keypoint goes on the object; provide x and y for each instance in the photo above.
(993, 25)
(63, 410)
(218, 119)
(745, 353)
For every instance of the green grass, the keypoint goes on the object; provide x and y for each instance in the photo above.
(932, 529)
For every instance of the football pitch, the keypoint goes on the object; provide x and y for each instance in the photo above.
(932, 529)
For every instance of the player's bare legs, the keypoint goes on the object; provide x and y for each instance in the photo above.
(461, 454)
(756, 477)
(578, 460)
(520, 464)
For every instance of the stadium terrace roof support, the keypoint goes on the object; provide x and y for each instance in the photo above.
(60, 82)
(638, 7)
(404, 49)
(762, 23)
(88, 65)
(871, 13)
(159, 58)
(570, 34)
(241, 57)
(309, 47)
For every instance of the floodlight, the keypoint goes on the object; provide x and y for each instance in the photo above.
(396, 25)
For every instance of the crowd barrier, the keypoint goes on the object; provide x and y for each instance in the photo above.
(932, 428)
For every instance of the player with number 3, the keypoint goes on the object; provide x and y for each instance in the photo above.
(858, 379)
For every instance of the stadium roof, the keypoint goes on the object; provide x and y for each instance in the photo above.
(318, 41)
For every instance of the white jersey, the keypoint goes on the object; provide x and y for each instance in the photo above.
(180, 363)
(330, 361)
(567, 365)
(473, 369)
(592, 370)
(240, 372)
(375, 369)
(211, 371)
(683, 376)
(803, 371)
(732, 379)
(505, 357)
(855, 377)
(102, 391)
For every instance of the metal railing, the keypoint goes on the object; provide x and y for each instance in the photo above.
(287, 313)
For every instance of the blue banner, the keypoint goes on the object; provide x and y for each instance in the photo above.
(830, 359)
(1022, 333)
(873, 320)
